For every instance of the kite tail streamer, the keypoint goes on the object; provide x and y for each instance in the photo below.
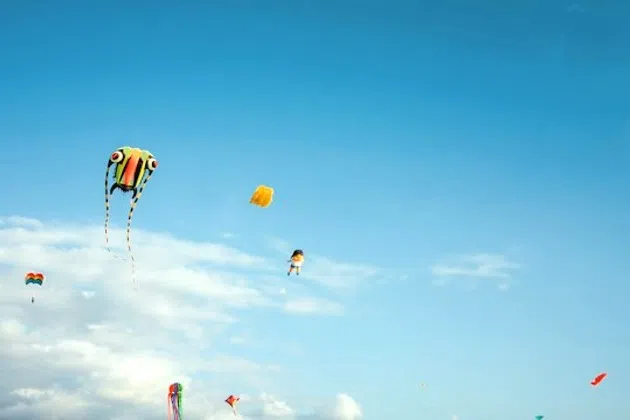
(168, 407)
(134, 202)
(133, 260)
(176, 405)
(107, 198)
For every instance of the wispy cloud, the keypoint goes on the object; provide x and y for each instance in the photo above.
(481, 266)
(238, 340)
(88, 294)
(273, 407)
(313, 306)
(21, 221)
(279, 245)
(89, 331)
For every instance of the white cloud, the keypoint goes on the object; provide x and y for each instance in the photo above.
(347, 408)
(21, 221)
(279, 245)
(90, 345)
(482, 266)
(88, 294)
(313, 306)
(238, 340)
(272, 407)
(336, 274)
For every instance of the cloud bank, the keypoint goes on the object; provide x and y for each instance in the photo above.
(91, 347)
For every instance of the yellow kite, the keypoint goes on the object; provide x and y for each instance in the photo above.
(262, 197)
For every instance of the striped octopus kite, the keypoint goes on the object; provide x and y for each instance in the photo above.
(174, 398)
(133, 169)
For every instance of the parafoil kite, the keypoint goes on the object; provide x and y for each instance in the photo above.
(232, 401)
(597, 380)
(174, 398)
(296, 260)
(133, 169)
(539, 417)
(34, 278)
(263, 196)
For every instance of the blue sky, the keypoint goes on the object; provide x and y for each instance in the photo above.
(400, 136)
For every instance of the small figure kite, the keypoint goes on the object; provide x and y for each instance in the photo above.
(34, 278)
(296, 260)
(262, 197)
(232, 401)
(133, 169)
(597, 380)
(175, 398)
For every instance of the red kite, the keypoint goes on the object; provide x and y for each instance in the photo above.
(598, 379)
(231, 401)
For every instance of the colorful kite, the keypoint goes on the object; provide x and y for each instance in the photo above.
(174, 397)
(134, 168)
(262, 197)
(232, 401)
(296, 260)
(597, 380)
(34, 278)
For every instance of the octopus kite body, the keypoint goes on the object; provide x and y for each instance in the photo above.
(174, 401)
(133, 168)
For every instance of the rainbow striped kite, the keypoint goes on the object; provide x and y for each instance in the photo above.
(34, 278)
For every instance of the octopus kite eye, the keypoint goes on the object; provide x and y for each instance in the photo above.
(152, 164)
(116, 157)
